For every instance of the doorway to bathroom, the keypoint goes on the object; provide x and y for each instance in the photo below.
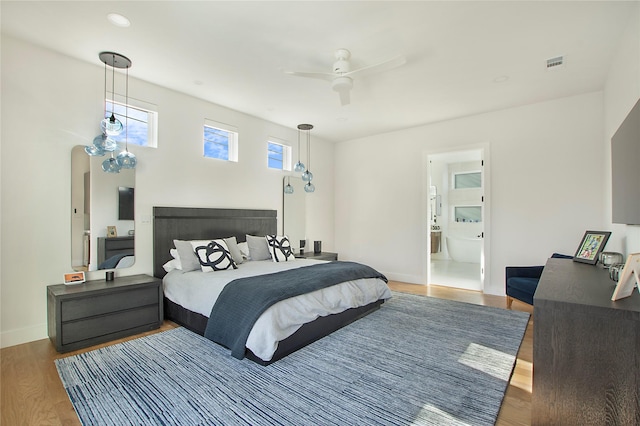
(457, 218)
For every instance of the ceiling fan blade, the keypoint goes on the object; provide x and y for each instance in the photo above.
(382, 66)
(319, 75)
(345, 97)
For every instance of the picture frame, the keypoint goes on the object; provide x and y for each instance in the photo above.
(629, 278)
(591, 246)
(74, 278)
(111, 232)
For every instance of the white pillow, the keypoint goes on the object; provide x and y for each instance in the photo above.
(258, 248)
(213, 255)
(280, 248)
(232, 244)
(171, 265)
(244, 250)
(188, 259)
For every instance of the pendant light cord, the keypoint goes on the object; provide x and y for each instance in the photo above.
(126, 114)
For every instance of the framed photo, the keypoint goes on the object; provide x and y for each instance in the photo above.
(591, 245)
(629, 278)
(111, 232)
(74, 278)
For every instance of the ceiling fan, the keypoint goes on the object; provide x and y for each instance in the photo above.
(341, 77)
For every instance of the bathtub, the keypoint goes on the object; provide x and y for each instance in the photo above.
(464, 249)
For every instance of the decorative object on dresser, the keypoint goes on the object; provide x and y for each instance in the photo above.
(325, 255)
(591, 246)
(629, 278)
(585, 349)
(98, 311)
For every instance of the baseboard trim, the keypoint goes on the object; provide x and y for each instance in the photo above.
(23, 335)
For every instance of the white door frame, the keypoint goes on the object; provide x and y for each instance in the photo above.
(485, 258)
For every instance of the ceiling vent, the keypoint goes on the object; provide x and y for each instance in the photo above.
(555, 63)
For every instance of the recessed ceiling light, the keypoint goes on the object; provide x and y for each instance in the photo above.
(501, 79)
(118, 20)
(342, 119)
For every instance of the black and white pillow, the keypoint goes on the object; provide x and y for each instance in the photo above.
(280, 248)
(214, 256)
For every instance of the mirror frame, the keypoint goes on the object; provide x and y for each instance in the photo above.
(294, 212)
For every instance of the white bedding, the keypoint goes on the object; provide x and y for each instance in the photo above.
(198, 291)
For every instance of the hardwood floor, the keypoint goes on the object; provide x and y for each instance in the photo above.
(31, 392)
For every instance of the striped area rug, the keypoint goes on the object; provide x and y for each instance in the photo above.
(415, 361)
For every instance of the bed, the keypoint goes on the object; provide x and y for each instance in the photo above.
(192, 224)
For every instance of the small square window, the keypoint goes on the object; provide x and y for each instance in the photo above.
(140, 124)
(220, 141)
(278, 156)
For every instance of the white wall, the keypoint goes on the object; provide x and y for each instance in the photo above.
(50, 103)
(546, 179)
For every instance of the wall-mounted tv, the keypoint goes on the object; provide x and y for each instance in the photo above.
(125, 203)
(625, 170)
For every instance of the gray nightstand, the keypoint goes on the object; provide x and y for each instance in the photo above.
(98, 311)
(320, 256)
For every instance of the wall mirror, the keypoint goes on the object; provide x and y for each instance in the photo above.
(102, 214)
(294, 211)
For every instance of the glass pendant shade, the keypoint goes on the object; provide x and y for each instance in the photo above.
(299, 167)
(126, 160)
(110, 165)
(309, 187)
(288, 189)
(105, 143)
(94, 151)
(307, 176)
(111, 126)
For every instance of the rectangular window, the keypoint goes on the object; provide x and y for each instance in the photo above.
(220, 141)
(472, 214)
(140, 123)
(278, 156)
(467, 180)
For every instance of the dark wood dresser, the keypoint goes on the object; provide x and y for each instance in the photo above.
(586, 349)
(98, 311)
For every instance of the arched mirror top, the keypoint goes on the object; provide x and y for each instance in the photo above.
(102, 214)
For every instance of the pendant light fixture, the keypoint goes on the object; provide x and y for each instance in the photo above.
(288, 189)
(299, 166)
(110, 125)
(307, 176)
(125, 159)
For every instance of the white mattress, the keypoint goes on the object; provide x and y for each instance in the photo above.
(198, 291)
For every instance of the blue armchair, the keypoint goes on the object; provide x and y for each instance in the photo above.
(522, 281)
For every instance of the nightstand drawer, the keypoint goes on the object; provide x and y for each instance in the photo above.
(95, 327)
(106, 303)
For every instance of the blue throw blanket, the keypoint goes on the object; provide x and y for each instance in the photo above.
(242, 301)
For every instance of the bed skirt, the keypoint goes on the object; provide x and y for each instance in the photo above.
(305, 335)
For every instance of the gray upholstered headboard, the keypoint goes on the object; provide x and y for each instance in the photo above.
(192, 223)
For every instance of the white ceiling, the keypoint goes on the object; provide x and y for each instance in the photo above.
(234, 53)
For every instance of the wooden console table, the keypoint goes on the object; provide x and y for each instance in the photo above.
(586, 349)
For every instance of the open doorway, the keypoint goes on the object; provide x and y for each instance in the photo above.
(456, 219)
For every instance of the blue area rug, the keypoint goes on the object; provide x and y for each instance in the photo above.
(415, 361)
